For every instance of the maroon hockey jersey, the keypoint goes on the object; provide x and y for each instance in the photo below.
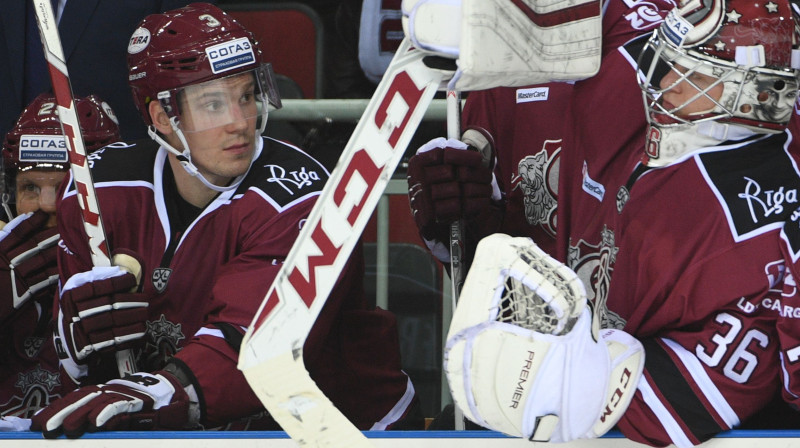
(669, 254)
(29, 376)
(524, 126)
(699, 278)
(208, 280)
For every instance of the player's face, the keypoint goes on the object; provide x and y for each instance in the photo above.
(219, 121)
(36, 190)
(680, 95)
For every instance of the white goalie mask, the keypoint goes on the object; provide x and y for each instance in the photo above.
(750, 50)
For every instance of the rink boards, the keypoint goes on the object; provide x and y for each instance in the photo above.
(389, 439)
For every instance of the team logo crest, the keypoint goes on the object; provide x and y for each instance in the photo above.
(161, 278)
(594, 264)
(538, 180)
(163, 339)
(622, 198)
(32, 345)
(36, 387)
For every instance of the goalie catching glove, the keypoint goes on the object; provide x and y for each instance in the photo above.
(522, 357)
(142, 401)
(27, 262)
(100, 311)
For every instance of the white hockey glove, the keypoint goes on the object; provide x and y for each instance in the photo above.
(141, 401)
(502, 43)
(521, 356)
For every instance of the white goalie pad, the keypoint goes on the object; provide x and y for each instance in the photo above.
(521, 357)
(508, 43)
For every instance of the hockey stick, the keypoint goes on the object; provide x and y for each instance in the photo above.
(272, 351)
(456, 227)
(70, 125)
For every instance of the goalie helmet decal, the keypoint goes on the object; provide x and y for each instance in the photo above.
(748, 47)
(187, 46)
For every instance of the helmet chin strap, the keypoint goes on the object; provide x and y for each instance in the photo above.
(6, 198)
(185, 157)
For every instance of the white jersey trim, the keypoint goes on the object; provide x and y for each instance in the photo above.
(205, 331)
(669, 423)
(398, 410)
(785, 376)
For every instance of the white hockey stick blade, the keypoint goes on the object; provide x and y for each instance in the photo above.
(78, 162)
(274, 341)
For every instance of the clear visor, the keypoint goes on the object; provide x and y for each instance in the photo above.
(237, 99)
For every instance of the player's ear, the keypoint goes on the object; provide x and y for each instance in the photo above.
(159, 117)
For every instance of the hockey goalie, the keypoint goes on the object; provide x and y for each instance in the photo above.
(681, 243)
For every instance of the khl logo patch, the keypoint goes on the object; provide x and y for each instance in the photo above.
(161, 278)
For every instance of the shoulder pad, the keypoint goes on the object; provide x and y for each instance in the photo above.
(124, 162)
(757, 185)
(285, 174)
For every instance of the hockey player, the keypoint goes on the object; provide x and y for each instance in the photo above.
(34, 164)
(703, 241)
(211, 209)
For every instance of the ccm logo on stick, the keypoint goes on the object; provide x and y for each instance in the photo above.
(361, 173)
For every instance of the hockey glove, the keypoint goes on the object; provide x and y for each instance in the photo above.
(100, 312)
(448, 182)
(27, 263)
(141, 401)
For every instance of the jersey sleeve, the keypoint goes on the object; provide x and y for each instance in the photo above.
(352, 353)
(238, 290)
(789, 323)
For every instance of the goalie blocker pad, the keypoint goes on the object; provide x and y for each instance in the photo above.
(508, 43)
(523, 360)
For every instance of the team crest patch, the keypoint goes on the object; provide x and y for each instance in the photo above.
(161, 278)
(594, 264)
(622, 198)
(32, 346)
(538, 180)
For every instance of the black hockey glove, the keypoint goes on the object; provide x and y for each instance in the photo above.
(447, 182)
